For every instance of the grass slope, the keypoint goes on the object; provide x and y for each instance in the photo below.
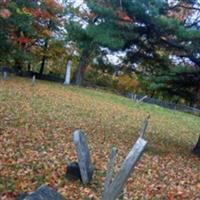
(36, 125)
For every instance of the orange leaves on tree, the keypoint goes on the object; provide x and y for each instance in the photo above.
(124, 17)
(37, 13)
(46, 33)
(23, 40)
(54, 4)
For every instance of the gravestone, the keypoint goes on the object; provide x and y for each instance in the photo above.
(68, 73)
(44, 193)
(83, 154)
(5, 75)
(33, 80)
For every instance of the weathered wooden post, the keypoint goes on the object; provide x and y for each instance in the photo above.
(113, 189)
(109, 173)
(44, 192)
(142, 99)
(68, 73)
(84, 160)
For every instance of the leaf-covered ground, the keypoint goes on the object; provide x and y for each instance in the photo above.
(36, 126)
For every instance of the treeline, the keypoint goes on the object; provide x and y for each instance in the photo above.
(160, 41)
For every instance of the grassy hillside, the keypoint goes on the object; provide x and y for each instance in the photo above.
(36, 126)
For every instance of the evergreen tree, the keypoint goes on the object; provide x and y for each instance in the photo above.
(154, 34)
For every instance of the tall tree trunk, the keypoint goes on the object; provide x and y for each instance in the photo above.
(29, 67)
(82, 67)
(42, 65)
(43, 58)
(196, 149)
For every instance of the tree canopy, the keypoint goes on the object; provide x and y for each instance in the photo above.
(161, 39)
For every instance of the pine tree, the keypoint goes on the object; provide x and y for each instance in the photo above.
(153, 32)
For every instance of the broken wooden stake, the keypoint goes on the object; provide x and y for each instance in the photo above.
(113, 189)
(109, 173)
(142, 99)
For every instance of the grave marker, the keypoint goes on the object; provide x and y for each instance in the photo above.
(33, 80)
(44, 192)
(5, 75)
(83, 154)
(68, 73)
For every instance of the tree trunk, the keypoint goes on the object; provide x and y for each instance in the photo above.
(42, 65)
(29, 67)
(196, 149)
(82, 67)
(43, 58)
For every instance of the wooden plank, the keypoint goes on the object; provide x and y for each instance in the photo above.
(109, 174)
(128, 165)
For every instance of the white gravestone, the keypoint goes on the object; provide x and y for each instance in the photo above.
(68, 73)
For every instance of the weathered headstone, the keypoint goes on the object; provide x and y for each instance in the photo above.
(33, 80)
(113, 189)
(68, 73)
(44, 193)
(83, 154)
(5, 75)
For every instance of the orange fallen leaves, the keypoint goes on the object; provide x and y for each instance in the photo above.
(35, 136)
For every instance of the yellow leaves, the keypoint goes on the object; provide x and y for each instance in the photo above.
(46, 33)
(127, 83)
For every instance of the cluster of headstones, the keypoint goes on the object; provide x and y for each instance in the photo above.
(83, 169)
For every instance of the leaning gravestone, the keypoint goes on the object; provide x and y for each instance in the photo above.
(44, 193)
(84, 161)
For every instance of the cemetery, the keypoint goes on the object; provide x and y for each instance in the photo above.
(99, 100)
(73, 150)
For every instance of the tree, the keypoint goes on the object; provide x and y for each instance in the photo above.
(16, 32)
(156, 36)
(163, 45)
(27, 30)
(90, 34)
